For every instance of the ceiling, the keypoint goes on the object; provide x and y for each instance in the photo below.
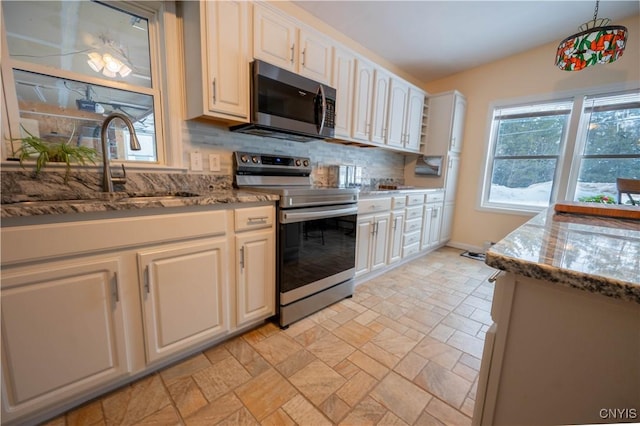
(431, 39)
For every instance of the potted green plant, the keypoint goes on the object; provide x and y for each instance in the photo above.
(603, 199)
(46, 151)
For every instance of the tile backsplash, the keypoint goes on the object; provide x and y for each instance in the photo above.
(378, 165)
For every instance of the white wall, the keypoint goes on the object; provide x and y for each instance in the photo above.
(530, 73)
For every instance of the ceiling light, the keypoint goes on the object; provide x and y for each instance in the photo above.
(596, 43)
(108, 64)
(95, 61)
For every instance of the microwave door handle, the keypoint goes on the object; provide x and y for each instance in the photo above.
(324, 109)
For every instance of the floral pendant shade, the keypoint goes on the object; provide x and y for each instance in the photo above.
(596, 43)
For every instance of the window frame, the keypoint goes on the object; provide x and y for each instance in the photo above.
(165, 56)
(565, 181)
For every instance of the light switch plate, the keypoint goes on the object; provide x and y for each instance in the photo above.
(196, 161)
(214, 162)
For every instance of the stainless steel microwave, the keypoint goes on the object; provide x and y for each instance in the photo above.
(289, 106)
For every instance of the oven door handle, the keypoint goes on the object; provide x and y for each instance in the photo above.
(301, 215)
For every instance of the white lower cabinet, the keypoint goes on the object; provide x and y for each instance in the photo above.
(81, 314)
(255, 264)
(432, 221)
(184, 295)
(63, 332)
(372, 233)
(395, 236)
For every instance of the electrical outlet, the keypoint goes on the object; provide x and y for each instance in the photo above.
(196, 161)
(214, 162)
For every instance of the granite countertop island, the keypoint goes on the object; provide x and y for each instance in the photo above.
(596, 254)
(565, 340)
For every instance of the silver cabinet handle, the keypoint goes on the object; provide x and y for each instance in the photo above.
(114, 289)
(261, 219)
(242, 257)
(146, 280)
(292, 47)
(304, 51)
(213, 84)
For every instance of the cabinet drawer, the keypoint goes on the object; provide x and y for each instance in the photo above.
(412, 238)
(409, 250)
(373, 205)
(415, 199)
(254, 218)
(436, 197)
(414, 212)
(413, 225)
(398, 202)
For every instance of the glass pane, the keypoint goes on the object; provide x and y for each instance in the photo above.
(55, 108)
(522, 182)
(613, 132)
(598, 175)
(530, 135)
(80, 36)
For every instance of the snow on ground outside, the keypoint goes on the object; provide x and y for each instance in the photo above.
(538, 193)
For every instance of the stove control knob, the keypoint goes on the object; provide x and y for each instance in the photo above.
(244, 158)
(298, 163)
(306, 163)
(255, 159)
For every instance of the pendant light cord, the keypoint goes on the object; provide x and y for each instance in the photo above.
(595, 12)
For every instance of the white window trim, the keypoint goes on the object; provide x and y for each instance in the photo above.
(567, 173)
(164, 46)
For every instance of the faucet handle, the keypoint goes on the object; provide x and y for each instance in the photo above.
(120, 179)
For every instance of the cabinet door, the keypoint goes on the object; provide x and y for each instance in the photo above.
(274, 38)
(380, 238)
(343, 79)
(447, 223)
(426, 227)
(451, 178)
(436, 222)
(362, 100)
(315, 56)
(364, 240)
(413, 123)
(256, 277)
(379, 111)
(227, 57)
(63, 332)
(397, 111)
(395, 236)
(184, 295)
(457, 123)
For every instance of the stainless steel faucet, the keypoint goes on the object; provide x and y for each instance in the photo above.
(107, 179)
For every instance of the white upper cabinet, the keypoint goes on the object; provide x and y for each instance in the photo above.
(362, 100)
(379, 111)
(397, 112)
(343, 80)
(216, 37)
(414, 117)
(446, 123)
(315, 56)
(282, 42)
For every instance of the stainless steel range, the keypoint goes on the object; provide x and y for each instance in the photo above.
(316, 233)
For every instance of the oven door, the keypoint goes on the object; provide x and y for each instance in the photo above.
(317, 249)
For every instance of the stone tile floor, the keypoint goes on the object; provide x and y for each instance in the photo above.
(405, 350)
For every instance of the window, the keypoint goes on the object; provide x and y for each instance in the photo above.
(611, 148)
(526, 168)
(71, 63)
(526, 142)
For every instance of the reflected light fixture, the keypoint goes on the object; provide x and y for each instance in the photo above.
(108, 64)
(595, 43)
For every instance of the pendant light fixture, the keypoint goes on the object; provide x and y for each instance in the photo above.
(595, 43)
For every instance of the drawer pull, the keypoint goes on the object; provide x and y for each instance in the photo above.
(494, 276)
(261, 219)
